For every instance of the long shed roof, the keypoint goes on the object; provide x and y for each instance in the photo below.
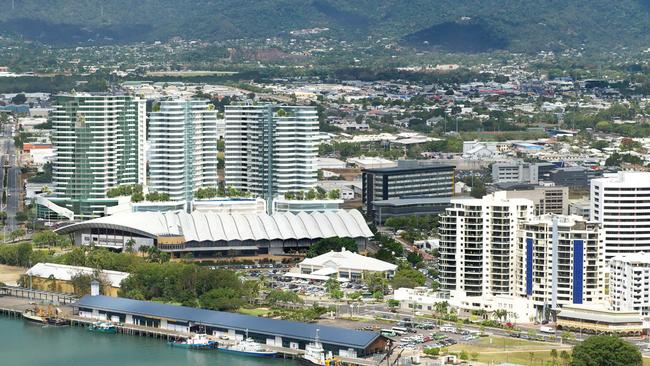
(283, 328)
(212, 226)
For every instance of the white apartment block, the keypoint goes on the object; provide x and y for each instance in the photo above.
(99, 142)
(183, 148)
(629, 283)
(560, 260)
(477, 242)
(271, 149)
(620, 203)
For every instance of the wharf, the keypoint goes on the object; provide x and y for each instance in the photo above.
(14, 307)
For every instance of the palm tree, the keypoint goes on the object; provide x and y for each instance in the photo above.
(566, 357)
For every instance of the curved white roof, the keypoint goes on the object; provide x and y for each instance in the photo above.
(211, 226)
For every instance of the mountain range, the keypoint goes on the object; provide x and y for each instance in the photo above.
(454, 25)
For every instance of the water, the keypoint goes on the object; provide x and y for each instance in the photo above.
(27, 344)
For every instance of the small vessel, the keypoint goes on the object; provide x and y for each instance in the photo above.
(314, 353)
(34, 316)
(103, 327)
(57, 322)
(248, 347)
(197, 341)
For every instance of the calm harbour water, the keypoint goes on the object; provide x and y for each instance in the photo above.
(27, 344)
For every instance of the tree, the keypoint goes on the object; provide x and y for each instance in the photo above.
(49, 238)
(334, 194)
(566, 357)
(129, 245)
(464, 355)
(407, 276)
(336, 244)
(606, 350)
(554, 355)
(392, 303)
(15, 234)
(276, 297)
(333, 288)
(19, 99)
(375, 281)
(221, 299)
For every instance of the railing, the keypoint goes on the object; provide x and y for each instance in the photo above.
(53, 297)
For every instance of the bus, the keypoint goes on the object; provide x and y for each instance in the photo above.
(387, 333)
(399, 330)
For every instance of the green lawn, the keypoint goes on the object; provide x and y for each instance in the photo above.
(506, 349)
(255, 311)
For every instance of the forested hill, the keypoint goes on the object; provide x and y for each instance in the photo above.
(461, 25)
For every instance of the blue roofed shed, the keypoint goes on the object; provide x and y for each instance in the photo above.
(172, 316)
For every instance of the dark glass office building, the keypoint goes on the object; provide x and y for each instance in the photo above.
(410, 179)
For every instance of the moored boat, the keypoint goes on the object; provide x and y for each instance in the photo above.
(248, 347)
(314, 353)
(103, 327)
(32, 315)
(197, 341)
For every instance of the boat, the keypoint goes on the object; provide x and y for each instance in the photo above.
(248, 347)
(34, 316)
(197, 341)
(314, 353)
(57, 322)
(103, 327)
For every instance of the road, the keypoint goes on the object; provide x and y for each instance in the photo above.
(11, 168)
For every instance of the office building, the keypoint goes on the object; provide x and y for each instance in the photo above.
(520, 172)
(559, 260)
(100, 144)
(620, 203)
(477, 242)
(183, 148)
(409, 179)
(271, 149)
(629, 283)
(547, 199)
(575, 177)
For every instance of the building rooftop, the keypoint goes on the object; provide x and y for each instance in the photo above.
(349, 260)
(210, 226)
(240, 322)
(413, 201)
(65, 273)
(636, 258)
(411, 165)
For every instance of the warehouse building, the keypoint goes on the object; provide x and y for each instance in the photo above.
(279, 333)
(207, 234)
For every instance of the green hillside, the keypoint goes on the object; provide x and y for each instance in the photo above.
(463, 25)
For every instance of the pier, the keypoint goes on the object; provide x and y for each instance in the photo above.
(14, 306)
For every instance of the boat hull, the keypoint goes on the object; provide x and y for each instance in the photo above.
(306, 362)
(103, 330)
(34, 319)
(209, 346)
(248, 353)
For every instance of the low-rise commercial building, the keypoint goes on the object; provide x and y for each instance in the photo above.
(60, 278)
(345, 265)
(599, 320)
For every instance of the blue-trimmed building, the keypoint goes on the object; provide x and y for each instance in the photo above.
(560, 262)
(281, 333)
